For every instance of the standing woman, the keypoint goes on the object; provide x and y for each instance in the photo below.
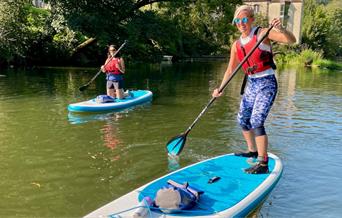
(261, 87)
(114, 67)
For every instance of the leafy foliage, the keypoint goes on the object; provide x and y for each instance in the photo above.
(30, 35)
(204, 25)
(148, 38)
(178, 27)
(174, 27)
(306, 55)
(153, 27)
(322, 27)
(12, 29)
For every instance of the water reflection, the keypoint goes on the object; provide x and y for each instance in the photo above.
(110, 137)
(79, 118)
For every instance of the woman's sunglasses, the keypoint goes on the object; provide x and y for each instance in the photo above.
(241, 20)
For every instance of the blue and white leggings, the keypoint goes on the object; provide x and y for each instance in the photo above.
(256, 103)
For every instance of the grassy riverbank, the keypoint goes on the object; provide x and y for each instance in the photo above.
(308, 58)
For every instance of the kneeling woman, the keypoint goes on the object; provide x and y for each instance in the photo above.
(114, 67)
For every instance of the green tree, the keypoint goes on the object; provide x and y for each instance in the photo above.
(153, 27)
(334, 9)
(178, 27)
(204, 25)
(150, 36)
(322, 27)
(13, 31)
(99, 17)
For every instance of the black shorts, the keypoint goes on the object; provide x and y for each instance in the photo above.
(115, 84)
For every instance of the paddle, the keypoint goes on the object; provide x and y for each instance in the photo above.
(84, 87)
(176, 144)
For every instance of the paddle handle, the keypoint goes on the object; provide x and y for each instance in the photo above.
(229, 79)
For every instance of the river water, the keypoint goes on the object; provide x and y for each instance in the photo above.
(56, 164)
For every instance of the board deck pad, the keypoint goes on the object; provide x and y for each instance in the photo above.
(234, 184)
(235, 194)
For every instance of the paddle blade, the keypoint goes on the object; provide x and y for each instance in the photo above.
(176, 144)
(82, 88)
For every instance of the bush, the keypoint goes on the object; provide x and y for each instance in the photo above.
(322, 27)
(292, 58)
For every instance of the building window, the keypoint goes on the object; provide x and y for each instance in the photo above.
(284, 9)
(256, 9)
(40, 4)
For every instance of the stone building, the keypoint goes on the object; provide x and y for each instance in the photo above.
(290, 11)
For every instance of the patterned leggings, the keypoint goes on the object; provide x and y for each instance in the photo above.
(256, 103)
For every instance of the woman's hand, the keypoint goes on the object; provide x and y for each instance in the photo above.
(216, 93)
(280, 34)
(277, 25)
(103, 69)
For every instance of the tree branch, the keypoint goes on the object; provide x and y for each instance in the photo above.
(142, 3)
(82, 45)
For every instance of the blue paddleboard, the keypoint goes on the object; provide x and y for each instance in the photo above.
(235, 194)
(138, 97)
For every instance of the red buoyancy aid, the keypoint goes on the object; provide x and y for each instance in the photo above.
(259, 61)
(112, 66)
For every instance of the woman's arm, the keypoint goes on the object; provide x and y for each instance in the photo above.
(233, 62)
(121, 65)
(279, 34)
(103, 66)
(109, 58)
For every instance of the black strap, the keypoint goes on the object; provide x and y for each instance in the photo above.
(244, 82)
(243, 85)
(257, 30)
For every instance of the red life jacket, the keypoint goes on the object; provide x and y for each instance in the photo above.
(111, 66)
(259, 61)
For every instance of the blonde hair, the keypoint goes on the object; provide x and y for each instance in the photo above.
(247, 8)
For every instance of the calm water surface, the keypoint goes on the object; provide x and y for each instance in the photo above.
(56, 164)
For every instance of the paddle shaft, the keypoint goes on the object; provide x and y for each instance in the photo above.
(100, 71)
(228, 80)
